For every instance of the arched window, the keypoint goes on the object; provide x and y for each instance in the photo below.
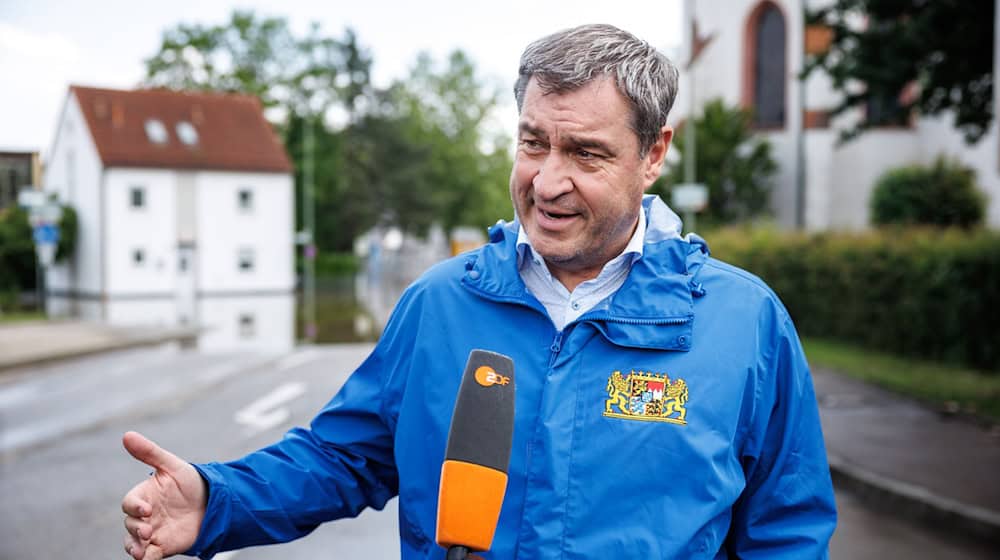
(766, 73)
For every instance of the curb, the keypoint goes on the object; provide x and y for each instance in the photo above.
(182, 336)
(916, 502)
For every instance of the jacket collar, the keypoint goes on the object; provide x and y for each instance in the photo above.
(659, 291)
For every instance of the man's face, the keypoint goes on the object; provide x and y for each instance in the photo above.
(578, 180)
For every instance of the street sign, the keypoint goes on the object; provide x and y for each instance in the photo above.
(689, 197)
(46, 234)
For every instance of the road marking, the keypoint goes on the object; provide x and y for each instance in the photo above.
(17, 394)
(267, 411)
(295, 360)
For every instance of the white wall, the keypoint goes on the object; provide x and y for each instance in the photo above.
(273, 319)
(719, 73)
(858, 164)
(151, 229)
(820, 149)
(73, 171)
(223, 229)
(146, 312)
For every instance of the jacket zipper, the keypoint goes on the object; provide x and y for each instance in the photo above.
(555, 347)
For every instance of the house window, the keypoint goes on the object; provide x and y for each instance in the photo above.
(137, 197)
(246, 260)
(187, 133)
(767, 38)
(156, 132)
(245, 200)
(247, 325)
(138, 257)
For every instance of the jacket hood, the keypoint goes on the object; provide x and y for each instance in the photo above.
(660, 288)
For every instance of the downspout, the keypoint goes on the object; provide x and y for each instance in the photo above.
(800, 140)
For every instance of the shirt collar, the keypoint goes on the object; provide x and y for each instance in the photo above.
(526, 253)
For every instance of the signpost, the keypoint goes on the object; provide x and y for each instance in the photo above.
(44, 215)
(689, 198)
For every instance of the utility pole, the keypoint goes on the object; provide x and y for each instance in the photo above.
(309, 223)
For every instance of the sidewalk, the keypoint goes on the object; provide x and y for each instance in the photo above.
(908, 459)
(36, 342)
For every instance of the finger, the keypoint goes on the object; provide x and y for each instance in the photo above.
(134, 548)
(138, 529)
(133, 503)
(151, 454)
(153, 552)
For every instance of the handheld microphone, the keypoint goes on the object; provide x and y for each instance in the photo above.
(474, 473)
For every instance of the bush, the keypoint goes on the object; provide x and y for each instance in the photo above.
(944, 194)
(915, 292)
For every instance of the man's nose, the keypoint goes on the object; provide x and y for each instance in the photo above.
(552, 179)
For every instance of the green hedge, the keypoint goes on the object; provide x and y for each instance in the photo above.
(915, 292)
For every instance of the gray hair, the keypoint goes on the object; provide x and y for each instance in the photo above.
(570, 59)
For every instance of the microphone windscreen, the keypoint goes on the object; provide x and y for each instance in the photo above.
(482, 426)
(474, 473)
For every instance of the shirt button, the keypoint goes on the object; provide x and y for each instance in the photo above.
(576, 305)
(474, 274)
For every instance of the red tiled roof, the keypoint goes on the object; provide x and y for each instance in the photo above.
(232, 132)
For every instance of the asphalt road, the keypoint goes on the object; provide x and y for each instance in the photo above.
(63, 471)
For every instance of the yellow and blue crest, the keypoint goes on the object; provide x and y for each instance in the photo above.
(646, 396)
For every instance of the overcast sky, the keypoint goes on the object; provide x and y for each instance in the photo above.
(45, 45)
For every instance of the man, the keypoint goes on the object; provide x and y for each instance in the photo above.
(664, 407)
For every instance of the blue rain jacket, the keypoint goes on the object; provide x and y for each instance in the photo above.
(676, 419)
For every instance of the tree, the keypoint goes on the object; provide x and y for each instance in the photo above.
(458, 167)
(732, 162)
(261, 57)
(943, 48)
(409, 155)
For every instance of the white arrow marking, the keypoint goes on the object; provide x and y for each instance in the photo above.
(267, 412)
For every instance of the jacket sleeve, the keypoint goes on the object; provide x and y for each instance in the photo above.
(341, 464)
(787, 509)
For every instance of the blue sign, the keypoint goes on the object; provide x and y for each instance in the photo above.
(46, 234)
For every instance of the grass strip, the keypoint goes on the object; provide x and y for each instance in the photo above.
(945, 387)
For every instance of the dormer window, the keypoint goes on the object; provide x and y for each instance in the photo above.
(187, 133)
(156, 132)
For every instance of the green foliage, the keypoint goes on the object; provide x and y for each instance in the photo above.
(732, 162)
(261, 57)
(457, 171)
(409, 155)
(17, 251)
(947, 388)
(902, 43)
(17, 255)
(944, 194)
(915, 292)
(331, 265)
(68, 233)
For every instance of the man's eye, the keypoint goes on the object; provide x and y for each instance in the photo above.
(584, 154)
(531, 144)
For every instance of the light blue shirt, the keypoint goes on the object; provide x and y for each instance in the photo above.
(562, 305)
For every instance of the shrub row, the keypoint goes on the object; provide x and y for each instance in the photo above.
(927, 293)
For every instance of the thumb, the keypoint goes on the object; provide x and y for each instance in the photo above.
(146, 451)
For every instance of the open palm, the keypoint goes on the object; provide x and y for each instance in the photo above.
(164, 512)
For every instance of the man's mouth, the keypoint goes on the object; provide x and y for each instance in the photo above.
(552, 215)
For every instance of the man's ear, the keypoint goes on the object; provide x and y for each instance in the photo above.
(657, 154)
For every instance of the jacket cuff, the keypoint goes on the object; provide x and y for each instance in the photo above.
(217, 513)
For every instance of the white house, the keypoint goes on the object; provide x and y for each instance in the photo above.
(749, 52)
(186, 215)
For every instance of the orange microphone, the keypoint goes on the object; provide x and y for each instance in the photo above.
(474, 473)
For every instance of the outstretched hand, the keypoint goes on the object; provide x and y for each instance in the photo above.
(164, 512)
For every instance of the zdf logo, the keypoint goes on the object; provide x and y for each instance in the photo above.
(486, 377)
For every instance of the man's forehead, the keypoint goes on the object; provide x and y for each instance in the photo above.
(594, 109)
